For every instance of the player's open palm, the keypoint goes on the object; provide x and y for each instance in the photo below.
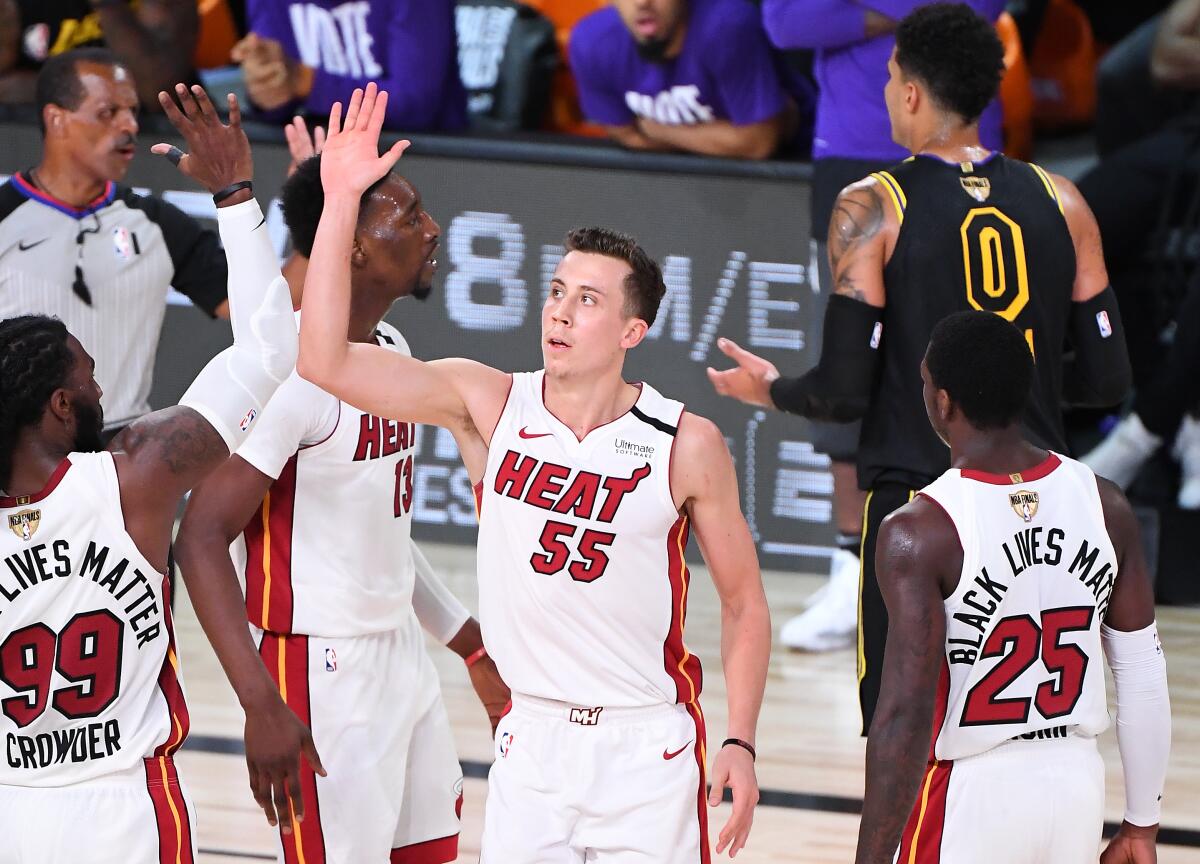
(350, 162)
(218, 153)
(302, 144)
(749, 381)
(734, 767)
(1132, 845)
(276, 740)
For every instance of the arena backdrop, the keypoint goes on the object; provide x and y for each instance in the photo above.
(736, 258)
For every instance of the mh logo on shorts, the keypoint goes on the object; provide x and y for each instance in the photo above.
(585, 716)
(506, 741)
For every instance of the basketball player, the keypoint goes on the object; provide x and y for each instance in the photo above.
(588, 488)
(1005, 580)
(955, 227)
(91, 704)
(318, 504)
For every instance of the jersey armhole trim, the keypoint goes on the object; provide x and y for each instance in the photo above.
(1051, 189)
(671, 465)
(957, 534)
(894, 191)
(512, 382)
(337, 421)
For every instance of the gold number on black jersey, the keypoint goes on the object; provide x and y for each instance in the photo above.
(994, 264)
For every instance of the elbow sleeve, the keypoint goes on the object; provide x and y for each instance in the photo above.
(839, 388)
(439, 612)
(1143, 718)
(1099, 375)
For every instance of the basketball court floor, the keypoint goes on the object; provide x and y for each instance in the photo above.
(810, 757)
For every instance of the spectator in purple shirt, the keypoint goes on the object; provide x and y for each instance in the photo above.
(852, 41)
(695, 75)
(304, 55)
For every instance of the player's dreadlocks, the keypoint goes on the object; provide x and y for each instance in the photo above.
(34, 362)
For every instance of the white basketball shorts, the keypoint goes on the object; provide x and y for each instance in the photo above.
(1024, 802)
(601, 785)
(394, 787)
(140, 816)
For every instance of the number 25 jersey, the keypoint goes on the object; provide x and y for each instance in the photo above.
(89, 679)
(1023, 652)
(582, 580)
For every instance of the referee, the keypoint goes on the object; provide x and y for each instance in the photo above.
(954, 228)
(76, 244)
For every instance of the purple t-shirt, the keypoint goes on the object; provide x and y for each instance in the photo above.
(851, 72)
(407, 47)
(725, 71)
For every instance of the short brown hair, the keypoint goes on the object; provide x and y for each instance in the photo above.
(644, 288)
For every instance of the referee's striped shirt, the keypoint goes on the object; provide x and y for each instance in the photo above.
(129, 249)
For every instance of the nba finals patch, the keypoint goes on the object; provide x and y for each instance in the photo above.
(978, 188)
(25, 523)
(1024, 504)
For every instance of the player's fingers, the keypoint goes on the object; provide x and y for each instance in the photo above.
(309, 749)
(293, 789)
(207, 111)
(260, 788)
(732, 350)
(171, 109)
(235, 111)
(279, 788)
(378, 113)
(392, 156)
(717, 379)
(318, 140)
(356, 100)
(335, 118)
(362, 120)
(717, 790)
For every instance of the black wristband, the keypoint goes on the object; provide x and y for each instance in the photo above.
(745, 745)
(232, 189)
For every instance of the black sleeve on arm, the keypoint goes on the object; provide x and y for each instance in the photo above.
(1099, 374)
(839, 387)
(201, 273)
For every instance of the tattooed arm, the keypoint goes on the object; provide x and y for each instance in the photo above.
(918, 559)
(155, 39)
(862, 235)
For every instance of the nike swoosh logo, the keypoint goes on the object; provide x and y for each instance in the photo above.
(670, 756)
(25, 248)
(524, 434)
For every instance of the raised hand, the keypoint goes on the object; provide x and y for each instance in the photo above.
(734, 767)
(749, 381)
(218, 155)
(301, 144)
(350, 162)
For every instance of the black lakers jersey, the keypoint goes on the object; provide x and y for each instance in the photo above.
(50, 27)
(988, 235)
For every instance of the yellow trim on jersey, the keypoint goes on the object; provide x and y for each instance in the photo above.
(683, 574)
(162, 767)
(912, 852)
(1049, 184)
(177, 738)
(895, 192)
(266, 562)
(862, 545)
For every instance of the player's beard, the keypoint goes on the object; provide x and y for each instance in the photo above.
(89, 427)
(653, 50)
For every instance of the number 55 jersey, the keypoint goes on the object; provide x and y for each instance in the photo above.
(89, 679)
(1023, 653)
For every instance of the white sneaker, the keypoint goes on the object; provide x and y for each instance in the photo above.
(831, 623)
(1120, 456)
(1187, 451)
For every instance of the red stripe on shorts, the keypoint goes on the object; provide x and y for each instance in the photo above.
(922, 840)
(700, 749)
(170, 811)
(438, 851)
(286, 658)
(168, 684)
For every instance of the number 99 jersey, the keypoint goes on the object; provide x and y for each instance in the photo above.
(1023, 653)
(89, 679)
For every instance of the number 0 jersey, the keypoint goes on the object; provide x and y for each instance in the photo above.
(986, 235)
(582, 580)
(1023, 653)
(89, 679)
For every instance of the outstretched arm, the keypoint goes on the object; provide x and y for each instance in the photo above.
(456, 394)
(165, 453)
(703, 476)
(918, 548)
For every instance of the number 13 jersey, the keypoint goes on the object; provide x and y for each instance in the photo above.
(1023, 653)
(582, 579)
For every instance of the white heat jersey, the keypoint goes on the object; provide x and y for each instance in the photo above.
(89, 679)
(582, 580)
(1023, 655)
(342, 475)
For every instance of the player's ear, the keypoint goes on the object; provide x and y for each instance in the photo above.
(912, 97)
(635, 332)
(60, 405)
(945, 406)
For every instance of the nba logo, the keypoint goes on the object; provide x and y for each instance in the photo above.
(505, 742)
(877, 334)
(122, 243)
(1104, 324)
(330, 660)
(248, 419)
